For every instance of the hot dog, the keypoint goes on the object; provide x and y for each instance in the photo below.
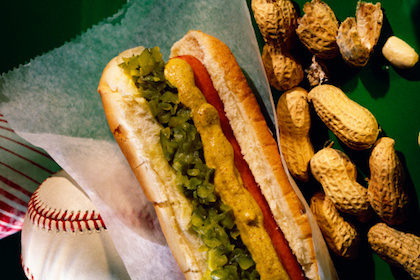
(194, 135)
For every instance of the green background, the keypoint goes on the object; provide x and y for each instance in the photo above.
(31, 28)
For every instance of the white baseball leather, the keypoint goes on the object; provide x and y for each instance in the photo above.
(64, 236)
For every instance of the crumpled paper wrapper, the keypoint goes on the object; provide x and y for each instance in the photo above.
(53, 103)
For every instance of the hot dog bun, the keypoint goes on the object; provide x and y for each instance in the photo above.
(144, 154)
(137, 133)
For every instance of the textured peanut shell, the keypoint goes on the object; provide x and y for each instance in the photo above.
(277, 21)
(349, 165)
(386, 185)
(269, 69)
(283, 70)
(396, 247)
(331, 169)
(352, 123)
(357, 37)
(294, 120)
(341, 236)
(350, 44)
(318, 28)
(369, 19)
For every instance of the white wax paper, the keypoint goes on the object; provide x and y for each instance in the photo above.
(53, 103)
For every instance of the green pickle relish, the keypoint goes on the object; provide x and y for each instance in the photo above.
(212, 220)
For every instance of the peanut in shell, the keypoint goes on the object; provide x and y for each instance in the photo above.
(283, 70)
(277, 21)
(352, 123)
(340, 235)
(335, 171)
(317, 29)
(396, 247)
(294, 120)
(386, 184)
(269, 69)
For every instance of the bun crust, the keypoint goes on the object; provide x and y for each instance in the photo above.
(137, 134)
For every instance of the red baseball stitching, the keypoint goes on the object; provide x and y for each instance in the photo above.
(26, 270)
(58, 220)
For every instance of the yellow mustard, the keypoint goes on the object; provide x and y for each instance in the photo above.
(218, 154)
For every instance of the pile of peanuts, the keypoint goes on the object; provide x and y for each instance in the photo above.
(342, 196)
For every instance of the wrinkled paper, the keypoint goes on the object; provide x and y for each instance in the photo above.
(53, 103)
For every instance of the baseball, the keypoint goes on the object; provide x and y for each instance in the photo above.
(64, 236)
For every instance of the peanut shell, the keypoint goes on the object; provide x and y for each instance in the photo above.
(396, 247)
(331, 169)
(286, 70)
(348, 164)
(352, 123)
(294, 120)
(341, 236)
(318, 28)
(386, 184)
(369, 19)
(269, 69)
(357, 37)
(317, 72)
(277, 21)
(350, 44)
